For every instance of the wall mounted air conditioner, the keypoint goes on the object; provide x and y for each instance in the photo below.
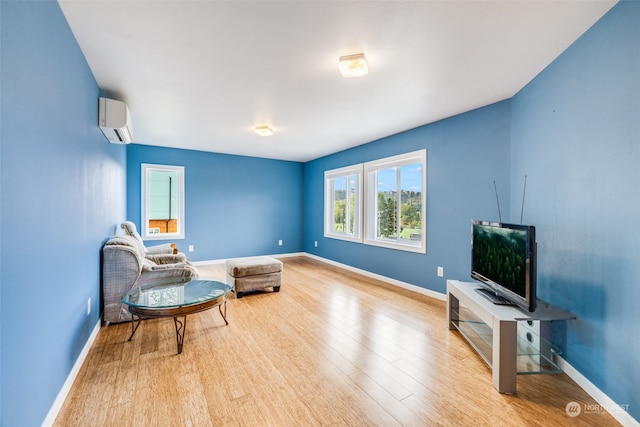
(114, 121)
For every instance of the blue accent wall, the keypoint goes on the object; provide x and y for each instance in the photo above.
(576, 135)
(63, 191)
(235, 206)
(465, 155)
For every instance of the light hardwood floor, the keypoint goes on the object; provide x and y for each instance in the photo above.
(331, 348)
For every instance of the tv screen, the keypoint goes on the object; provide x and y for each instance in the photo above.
(503, 260)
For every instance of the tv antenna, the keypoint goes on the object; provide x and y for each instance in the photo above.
(497, 200)
(524, 190)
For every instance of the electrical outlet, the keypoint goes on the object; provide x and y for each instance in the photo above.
(89, 306)
(190, 248)
(279, 242)
(315, 243)
(440, 271)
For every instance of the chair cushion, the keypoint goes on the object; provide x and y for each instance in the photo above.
(242, 267)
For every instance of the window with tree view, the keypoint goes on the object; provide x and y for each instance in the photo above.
(392, 212)
(396, 202)
(343, 203)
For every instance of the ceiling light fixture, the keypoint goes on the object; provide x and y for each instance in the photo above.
(353, 65)
(264, 130)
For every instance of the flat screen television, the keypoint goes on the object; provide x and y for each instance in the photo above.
(503, 260)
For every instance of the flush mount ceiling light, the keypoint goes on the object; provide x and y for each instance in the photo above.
(264, 130)
(353, 65)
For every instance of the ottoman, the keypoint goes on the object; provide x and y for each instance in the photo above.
(250, 274)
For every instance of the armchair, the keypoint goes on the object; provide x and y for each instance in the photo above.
(167, 248)
(125, 264)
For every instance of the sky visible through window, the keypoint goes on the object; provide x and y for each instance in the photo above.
(411, 179)
(411, 176)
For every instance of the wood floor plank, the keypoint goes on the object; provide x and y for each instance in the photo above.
(332, 348)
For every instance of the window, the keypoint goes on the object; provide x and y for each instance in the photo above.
(343, 203)
(395, 210)
(162, 202)
(381, 203)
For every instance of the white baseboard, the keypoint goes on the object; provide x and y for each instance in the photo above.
(618, 411)
(404, 285)
(213, 261)
(222, 261)
(66, 387)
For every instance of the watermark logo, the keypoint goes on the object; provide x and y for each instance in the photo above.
(573, 409)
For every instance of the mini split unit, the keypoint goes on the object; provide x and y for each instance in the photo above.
(114, 121)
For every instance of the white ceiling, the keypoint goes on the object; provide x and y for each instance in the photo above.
(202, 74)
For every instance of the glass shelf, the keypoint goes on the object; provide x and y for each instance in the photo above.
(535, 357)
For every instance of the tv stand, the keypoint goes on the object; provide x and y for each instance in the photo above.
(492, 330)
(493, 297)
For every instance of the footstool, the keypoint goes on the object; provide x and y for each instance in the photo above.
(250, 274)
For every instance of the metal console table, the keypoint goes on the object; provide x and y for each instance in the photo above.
(492, 330)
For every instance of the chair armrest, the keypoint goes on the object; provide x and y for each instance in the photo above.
(121, 268)
(158, 267)
(164, 273)
(168, 258)
(167, 248)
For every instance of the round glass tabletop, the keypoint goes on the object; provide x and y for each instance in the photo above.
(167, 295)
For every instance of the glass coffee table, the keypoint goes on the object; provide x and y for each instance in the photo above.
(175, 299)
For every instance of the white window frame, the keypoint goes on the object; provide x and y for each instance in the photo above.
(371, 201)
(329, 203)
(150, 233)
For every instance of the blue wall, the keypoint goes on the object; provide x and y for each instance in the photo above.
(465, 154)
(63, 191)
(235, 205)
(576, 135)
